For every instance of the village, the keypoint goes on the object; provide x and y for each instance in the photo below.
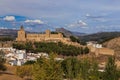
(16, 57)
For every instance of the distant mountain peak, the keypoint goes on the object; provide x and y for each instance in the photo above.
(68, 33)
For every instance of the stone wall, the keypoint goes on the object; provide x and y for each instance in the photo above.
(48, 37)
(101, 51)
(22, 36)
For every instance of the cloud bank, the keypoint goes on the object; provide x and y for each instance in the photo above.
(9, 18)
(34, 21)
(79, 23)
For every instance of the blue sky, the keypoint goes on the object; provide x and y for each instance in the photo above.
(88, 16)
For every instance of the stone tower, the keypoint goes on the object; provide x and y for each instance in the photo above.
(60, 35)
(21, 34)
(48, 33)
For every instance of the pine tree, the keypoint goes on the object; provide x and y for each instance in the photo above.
(111, 72)
(93, 72)
(86, 50)
(2, 66)
(24, 71)
(47, 69)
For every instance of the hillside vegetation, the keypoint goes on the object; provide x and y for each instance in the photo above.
(100, 37)
(113, 44)
(59, 48)
(68, 69)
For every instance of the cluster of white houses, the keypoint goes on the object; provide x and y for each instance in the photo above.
(19, 57)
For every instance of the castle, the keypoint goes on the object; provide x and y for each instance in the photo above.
(47, 36)
(58, 37)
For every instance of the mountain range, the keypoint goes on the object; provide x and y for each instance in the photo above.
(100, 37)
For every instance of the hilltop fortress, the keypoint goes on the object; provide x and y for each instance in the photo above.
(47, 36)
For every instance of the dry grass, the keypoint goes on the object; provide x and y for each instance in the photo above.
(9, 77)
(9, 74)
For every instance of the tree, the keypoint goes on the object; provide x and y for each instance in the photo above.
(29, 62)
(2, 66)
(24, 71)
(4, 39)
(86, 50)
(84, 69)
(48, 47)
(93, 72)
(47, 69)
(70, 68)
(74, 39)
(111, 72)
(82, 42)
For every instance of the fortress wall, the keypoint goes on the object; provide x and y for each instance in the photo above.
(103, 51)
(54, 36)
(92, 49)
(106, 51)
(20, 39)
(32, 35)
(22, 36)
(41, 35)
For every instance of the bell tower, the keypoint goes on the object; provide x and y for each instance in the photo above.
(21, 35)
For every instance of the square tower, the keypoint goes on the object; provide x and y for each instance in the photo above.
(21, 35)
(47, 33)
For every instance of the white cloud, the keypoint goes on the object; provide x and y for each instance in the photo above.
(100, 18)
(87, 15)
(9, 18)
(79, 23)
(34, 21)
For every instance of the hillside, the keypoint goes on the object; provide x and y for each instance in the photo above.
(68, 33)
(113, 44)
(100, 37)
(8, 32)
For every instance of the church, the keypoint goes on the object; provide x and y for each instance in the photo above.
(47, 36)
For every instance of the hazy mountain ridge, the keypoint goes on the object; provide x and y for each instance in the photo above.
(8, 32)
(100, 37)
(68, 33)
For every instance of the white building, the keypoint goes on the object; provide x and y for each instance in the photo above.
(94, 44)
(21, 56)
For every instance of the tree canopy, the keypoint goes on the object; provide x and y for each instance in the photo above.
(48, 47)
